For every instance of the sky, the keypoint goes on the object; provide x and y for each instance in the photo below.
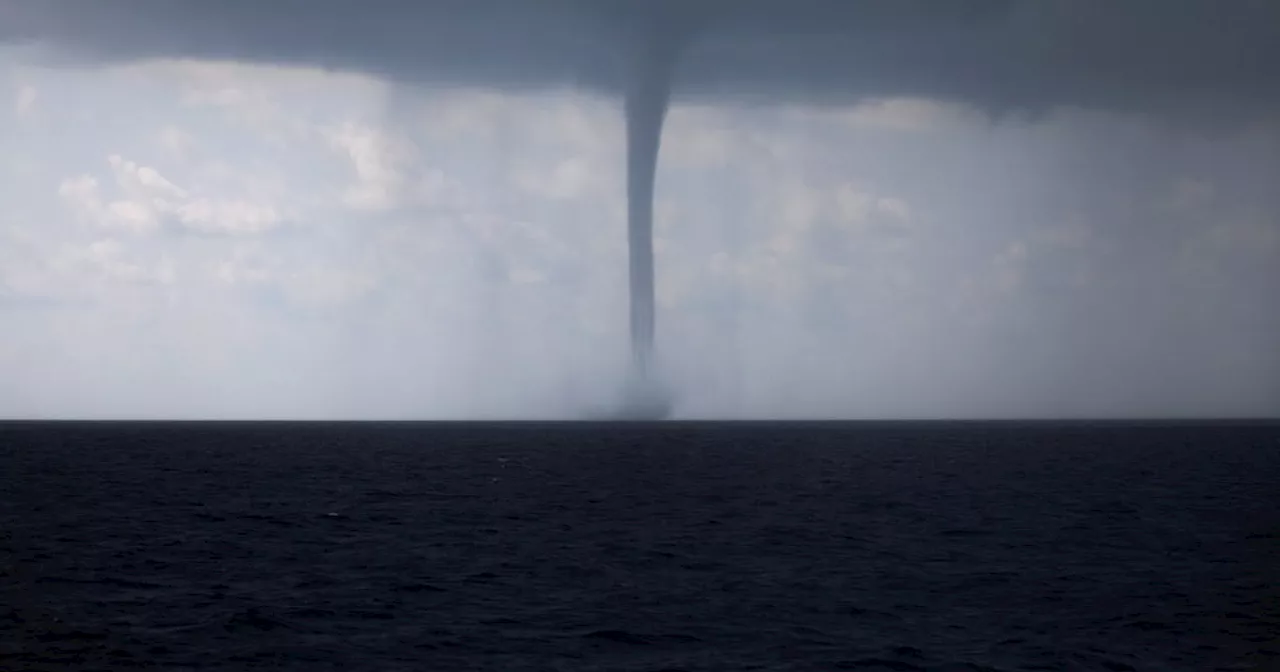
(217, 236)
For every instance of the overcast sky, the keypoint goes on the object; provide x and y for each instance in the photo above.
(186, 237)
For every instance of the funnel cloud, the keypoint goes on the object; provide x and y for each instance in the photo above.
(945, 106)
(647, 95)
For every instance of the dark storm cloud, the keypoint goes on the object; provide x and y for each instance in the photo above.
(1215, 57)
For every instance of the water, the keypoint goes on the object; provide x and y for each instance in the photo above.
(639, 547)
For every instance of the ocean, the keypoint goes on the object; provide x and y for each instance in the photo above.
(640, 547)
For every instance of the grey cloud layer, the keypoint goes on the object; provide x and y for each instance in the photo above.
(1206, 57)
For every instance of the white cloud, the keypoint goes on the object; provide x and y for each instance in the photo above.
(699, 137)
(569, 179)
(83, 194)
(24, 102)
(142, 181)
(894, 207)
(230, 217)
(149, 201)
(894, 257)
(247, 265)
(176, 141)
(133, 215)
(379, 161)
(80, 189)
(75, 273)
(324, 287)
(110, 259)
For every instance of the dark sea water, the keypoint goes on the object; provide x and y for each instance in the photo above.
(680, 546)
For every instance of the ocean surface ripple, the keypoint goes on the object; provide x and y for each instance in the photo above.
(639, 547)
